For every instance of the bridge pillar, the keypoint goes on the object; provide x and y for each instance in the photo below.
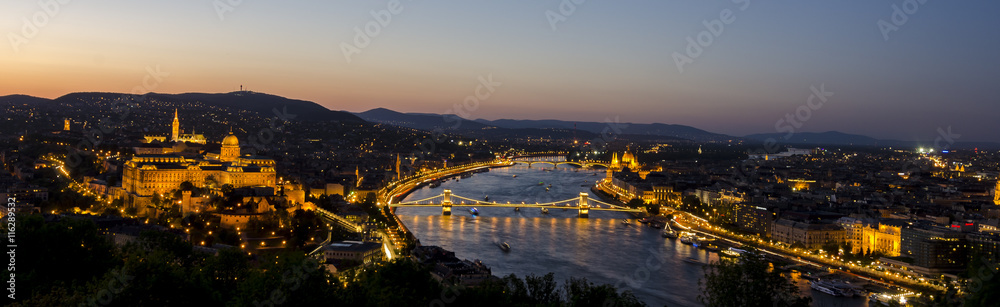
(584, 206)
(446, 203)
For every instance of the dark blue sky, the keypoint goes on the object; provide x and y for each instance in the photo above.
(605, 59)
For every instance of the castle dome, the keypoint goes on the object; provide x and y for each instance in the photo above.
(230, 140)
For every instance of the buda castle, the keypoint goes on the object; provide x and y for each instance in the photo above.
(148, 174)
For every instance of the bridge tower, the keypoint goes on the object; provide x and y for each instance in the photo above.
(446, 203)
(584, 206)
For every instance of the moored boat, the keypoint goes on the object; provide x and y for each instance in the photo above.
(687, 240)
(825, 287)
(732, 252)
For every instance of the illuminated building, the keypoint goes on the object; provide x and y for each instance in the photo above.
(755, 217)
(176, 135)
(66, 125)
(884, 238)
(175, 128)
(625, 177)
(811, 236)
(147, 175)
(627, 160)
(357, 251)
(934, 250)
(996, 194)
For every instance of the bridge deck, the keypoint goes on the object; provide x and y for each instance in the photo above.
(487, 205)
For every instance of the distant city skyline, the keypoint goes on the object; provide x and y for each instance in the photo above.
(894, 69)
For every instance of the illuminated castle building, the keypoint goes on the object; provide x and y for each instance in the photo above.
(146, 175)
(150, 174)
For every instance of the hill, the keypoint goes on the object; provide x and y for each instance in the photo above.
(422, 121)
(820, 138)
(656, 129)
(425, 121)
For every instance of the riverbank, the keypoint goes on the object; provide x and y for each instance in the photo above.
(605, 197)
(890, 281)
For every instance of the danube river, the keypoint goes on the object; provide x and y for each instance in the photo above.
(602, 248)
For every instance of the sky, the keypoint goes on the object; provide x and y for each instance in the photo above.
(752, 69)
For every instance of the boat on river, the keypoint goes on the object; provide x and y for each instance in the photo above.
(734, 252)
(669, 232)
(825, 287)
(474, 211)
(545, 210)
(504, 246)
(693, 260)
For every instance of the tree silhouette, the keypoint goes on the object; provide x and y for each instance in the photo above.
(747, 281)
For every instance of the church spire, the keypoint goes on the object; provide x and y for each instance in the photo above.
(175, 130)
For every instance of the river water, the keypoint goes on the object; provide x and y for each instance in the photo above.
(601, 248)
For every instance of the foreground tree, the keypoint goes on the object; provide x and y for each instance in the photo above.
(983, 285)
(747, 281)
